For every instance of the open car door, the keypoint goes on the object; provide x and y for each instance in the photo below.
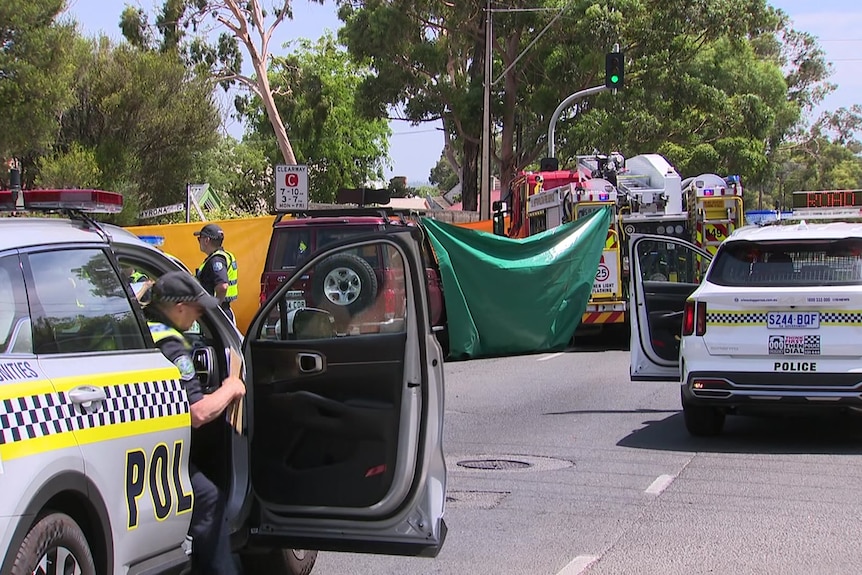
(346, 404)
(664, 272)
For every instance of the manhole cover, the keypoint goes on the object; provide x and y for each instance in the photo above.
(504, 462)
(494, 464)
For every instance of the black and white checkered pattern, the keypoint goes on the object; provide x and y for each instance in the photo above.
(52, 413)
(843, 318)
(759, 318)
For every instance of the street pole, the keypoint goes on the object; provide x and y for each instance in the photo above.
(563, 105)
(485, 188)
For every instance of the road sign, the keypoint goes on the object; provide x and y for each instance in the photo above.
(291, 187)
(152, 213)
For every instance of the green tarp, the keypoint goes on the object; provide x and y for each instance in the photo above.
(510, 296)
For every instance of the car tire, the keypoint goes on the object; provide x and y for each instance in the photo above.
(55, 544)
(344, 281)
(279, 562)
(703, 421)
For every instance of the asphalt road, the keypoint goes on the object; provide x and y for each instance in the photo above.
(559, 465)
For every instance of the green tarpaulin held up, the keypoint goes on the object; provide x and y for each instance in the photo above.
(510, 296)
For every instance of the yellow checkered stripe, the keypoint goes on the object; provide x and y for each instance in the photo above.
(734, 318)
(46, 419)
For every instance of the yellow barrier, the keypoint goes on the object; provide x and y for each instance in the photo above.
(247, 239)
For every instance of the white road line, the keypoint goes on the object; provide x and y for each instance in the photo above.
(660, 484)
(552, 356)
(577, 565)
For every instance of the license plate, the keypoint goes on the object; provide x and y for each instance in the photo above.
(793, 319)
(294, 300)
(294, 304)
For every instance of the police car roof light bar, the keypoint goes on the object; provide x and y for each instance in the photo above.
(86, 201)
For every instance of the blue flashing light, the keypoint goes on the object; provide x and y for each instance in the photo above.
(603, 197)
(708, 192)
(157, 241)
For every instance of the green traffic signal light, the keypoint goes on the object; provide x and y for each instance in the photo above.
(614, 67)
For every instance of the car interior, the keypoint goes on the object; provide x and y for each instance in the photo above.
(327, 406)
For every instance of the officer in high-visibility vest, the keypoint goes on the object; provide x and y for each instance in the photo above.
(218, 272)
(177, 302)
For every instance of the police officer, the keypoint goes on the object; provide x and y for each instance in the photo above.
(218, 272)
(177, 302)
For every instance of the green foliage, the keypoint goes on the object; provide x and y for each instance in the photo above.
(398, 187)
(315, 93)
(144, 116)
(443, 176)
(241, 173)
(76, 168)
(37, 67)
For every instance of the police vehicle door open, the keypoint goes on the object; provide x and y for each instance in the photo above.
(665, 271)
(346, 404)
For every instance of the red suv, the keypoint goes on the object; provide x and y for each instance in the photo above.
(358, 282)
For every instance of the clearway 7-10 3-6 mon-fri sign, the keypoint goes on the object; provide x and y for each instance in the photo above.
(291, 187)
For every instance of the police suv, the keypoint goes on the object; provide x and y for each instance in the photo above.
(772, 323)
(336, 446)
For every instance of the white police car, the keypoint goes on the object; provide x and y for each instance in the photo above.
(339, 443)
(773, 323)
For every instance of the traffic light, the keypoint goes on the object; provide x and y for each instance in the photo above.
(614, 70)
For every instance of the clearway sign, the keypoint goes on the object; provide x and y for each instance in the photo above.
(152, 213)
(291, 187)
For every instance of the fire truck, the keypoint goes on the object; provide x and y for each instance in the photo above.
(647, 196)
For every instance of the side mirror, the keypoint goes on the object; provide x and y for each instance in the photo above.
(310, 323)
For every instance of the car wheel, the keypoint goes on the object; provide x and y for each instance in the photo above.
(55, 544)
(279, 562)
(702, 420)
(344, 281)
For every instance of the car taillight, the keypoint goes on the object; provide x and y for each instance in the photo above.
(688, 318)
(262, 290)
(694, 318)
(700, 324)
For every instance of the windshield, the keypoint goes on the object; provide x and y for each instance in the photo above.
(788, 264)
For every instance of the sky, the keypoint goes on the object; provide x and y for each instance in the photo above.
(414, 150)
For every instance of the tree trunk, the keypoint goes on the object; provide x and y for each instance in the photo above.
(265, 93)
(470, 177)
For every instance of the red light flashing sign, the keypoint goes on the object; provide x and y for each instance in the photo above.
(828, 199)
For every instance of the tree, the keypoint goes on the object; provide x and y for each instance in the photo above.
(241, 172)
(315, 91)
(443, 176)
(37, 66)
(243, 22)
(427, 57)
(144, 116)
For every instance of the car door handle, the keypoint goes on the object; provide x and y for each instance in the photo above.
(309, 362)
(87, 395)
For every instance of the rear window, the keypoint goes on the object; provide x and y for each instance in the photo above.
(788, 264)
(292, 246)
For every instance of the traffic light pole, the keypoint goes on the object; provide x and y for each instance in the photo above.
(563, 105)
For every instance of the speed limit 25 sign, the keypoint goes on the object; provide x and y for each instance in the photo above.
(291, 187)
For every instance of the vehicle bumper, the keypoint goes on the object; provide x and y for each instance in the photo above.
(763, 389)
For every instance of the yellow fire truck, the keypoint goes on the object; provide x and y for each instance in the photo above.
(647, 195)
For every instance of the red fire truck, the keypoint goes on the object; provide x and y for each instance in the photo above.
(647, 196)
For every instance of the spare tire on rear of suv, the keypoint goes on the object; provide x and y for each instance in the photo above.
(344, 281)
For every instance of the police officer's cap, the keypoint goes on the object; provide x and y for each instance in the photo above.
(211, 231)
(176, 287)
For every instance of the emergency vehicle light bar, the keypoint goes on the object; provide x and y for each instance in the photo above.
(91, 201)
